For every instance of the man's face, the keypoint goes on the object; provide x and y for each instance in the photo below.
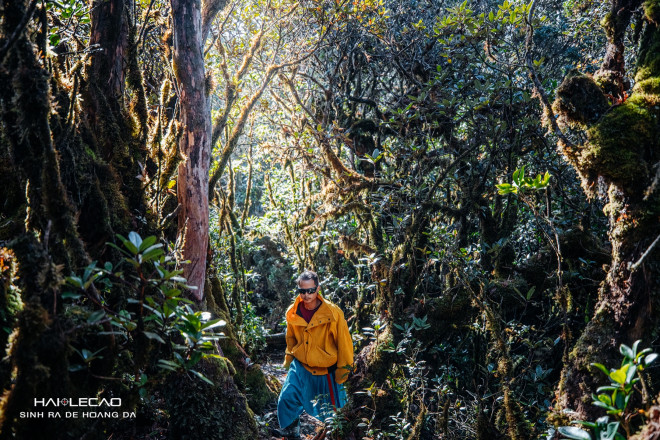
(309, 299)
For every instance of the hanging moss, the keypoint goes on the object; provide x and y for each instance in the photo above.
(10, 306)
(136, 83)
(39, 348)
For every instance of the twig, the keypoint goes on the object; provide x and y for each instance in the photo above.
(634, 267)
(140, 40)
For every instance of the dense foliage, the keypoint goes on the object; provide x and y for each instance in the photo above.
(475, 182)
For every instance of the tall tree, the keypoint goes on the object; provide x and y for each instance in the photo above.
(195, 141)
(620, 155)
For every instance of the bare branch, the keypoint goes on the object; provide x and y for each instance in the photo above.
(538, 87)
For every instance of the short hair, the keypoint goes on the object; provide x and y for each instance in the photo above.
(308, 275)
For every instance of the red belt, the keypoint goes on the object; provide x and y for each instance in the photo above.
(332, 393)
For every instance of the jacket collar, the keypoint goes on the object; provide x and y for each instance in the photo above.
(323, 313)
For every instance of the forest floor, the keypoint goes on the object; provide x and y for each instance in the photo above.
(309, 426)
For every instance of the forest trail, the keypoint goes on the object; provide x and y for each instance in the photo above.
(272, 366)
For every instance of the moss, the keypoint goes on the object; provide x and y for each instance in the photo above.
(607, 20)
(39, 349)
(418, 425)
(136, 83)
(259, 391)
(648, 62)
(596, 344)
(609, 82)
(652, 11)
(249, 378)
(10, 306)
(579, 99)
(199, 410)
(617, 144)
(650, 88)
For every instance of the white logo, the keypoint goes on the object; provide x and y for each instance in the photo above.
(81, 401)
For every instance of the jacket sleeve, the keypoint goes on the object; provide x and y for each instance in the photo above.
(344, 350)
(290, 344)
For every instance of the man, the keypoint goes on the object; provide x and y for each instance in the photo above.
(319, 356)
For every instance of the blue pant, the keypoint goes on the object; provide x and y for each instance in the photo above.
(304, 391)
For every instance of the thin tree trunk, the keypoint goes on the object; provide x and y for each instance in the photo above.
(195, 142)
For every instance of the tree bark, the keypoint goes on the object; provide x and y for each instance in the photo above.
(611, 74)
(109, 32)
(195, 142)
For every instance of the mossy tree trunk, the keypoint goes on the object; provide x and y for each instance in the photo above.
(622, 152)
(47, 242)
(70, 168)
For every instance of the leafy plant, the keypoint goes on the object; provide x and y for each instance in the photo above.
(615, 397)
(251, 332)
(159, 313)
(521, 182)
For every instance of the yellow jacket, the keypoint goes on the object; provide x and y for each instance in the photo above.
(322, 343)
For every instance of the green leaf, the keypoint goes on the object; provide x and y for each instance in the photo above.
(132, 249)
(619, 376)
(74, 281)
(631, 373)
(147, 242)
(603, 405)
(606, 388)
(605, 399)
(626, 351)
(154, 336)
(611, 431)
(601, 367)
(574, 433)
(618, 400)
(516, 177)
(201, 376)
(213, 324)
(505, 188)
(635, 345)
(168, 365)
(96, 316)
(650, 358)
(152, 252)
(71, 295)
(135, 238)
(642, 353)
(546, 178)
(114, 246)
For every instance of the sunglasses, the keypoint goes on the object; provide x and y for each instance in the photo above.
(309, 291)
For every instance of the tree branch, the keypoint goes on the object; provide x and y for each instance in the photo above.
(538, 87)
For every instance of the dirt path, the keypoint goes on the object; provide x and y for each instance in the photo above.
(309, 426)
